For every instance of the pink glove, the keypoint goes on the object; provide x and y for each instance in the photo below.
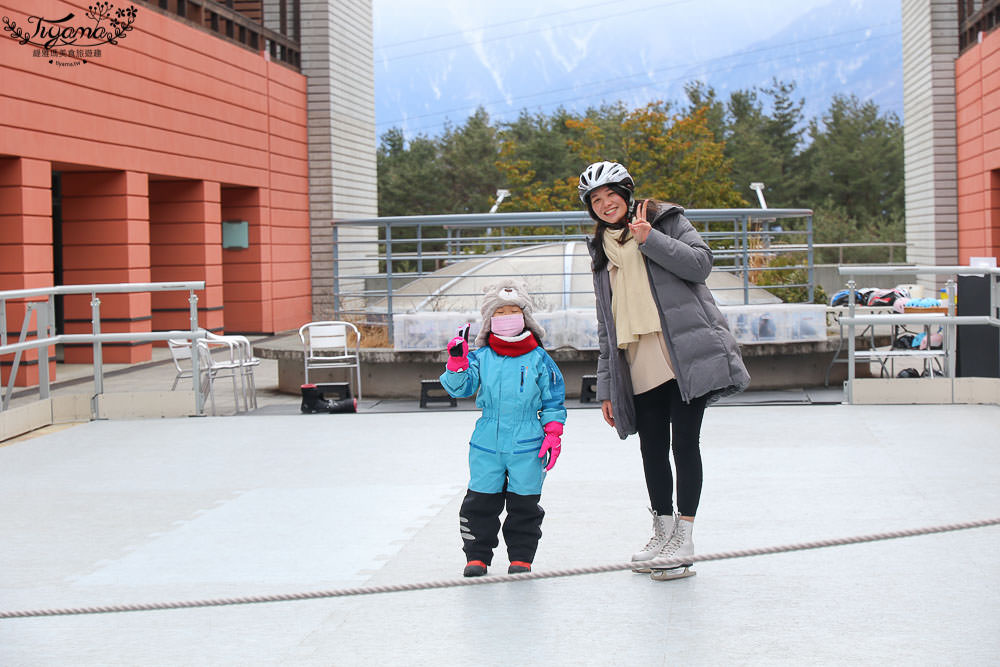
(552, 444)
(458, 350)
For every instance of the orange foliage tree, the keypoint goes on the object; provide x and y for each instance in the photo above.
(671, 157)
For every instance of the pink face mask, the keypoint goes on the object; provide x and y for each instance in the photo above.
(507, 325)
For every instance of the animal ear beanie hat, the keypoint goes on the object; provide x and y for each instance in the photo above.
(507, 292)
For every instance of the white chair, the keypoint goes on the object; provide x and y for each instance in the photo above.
(180, 352)
(218, 366)
(327, 345)
(247, 363)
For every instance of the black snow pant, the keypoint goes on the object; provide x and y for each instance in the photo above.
(657, 412)
(479, 522)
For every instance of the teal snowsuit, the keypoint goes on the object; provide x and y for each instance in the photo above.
(517, 396)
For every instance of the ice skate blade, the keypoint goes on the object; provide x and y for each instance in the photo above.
(642, 569)
(671, 574)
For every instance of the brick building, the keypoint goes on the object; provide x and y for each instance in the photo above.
(119, 161)
(951, 101)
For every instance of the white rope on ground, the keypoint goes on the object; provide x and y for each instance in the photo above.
(497, 579)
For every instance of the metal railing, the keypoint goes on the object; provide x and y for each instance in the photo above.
(949, 321)
(374, 257)
(974, 19)
(46, 336)
(841, 247)
(238, 27)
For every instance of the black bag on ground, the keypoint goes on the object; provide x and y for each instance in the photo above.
(313, 401)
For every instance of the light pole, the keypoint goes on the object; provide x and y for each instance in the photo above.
(501, 195)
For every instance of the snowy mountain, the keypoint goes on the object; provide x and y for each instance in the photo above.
(437, 63)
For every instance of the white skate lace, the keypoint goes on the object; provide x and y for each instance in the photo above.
(658, 539)
(671, 547)
(673, 544)
(655, 542)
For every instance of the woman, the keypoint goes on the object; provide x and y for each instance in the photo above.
(666, 351)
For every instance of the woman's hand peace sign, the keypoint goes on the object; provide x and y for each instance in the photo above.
(640, 227)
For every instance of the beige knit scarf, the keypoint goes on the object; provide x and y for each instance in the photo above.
(631, 298)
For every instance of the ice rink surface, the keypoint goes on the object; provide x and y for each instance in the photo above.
(164, 510)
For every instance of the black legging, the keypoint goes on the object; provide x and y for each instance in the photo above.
(656, 411)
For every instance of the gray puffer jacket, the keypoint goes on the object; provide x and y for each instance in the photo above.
(704, 355)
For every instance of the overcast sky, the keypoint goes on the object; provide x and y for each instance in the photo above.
(724, 23)
(437, 60)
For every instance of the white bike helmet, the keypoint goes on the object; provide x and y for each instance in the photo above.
(605, 173)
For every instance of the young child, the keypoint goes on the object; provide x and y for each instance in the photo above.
(517, 438)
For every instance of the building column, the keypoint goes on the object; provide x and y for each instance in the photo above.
(248, 272)
(337, 50)
(185, 243)
(105, 235)
(930, 46)
(25, 254)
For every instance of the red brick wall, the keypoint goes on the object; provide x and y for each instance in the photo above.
(977, 88)
(185, 232)
(25, 251)
(170, 103)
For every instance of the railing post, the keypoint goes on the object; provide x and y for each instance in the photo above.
(746, 261)
(950, 336)
(811, 258)
(420, 249)
(736, 256)
(95, 325)
(851, 285)
(42, 322)
(199, 399)
(52, 314)
(388, 278)
(193, 310)
(28, 307)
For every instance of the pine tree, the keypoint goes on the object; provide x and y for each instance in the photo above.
(409, 176)
(468, 164)
(856, 160)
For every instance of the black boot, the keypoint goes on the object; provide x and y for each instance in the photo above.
(523, 527)
(479, 522)
(343, 405)
(474, 568)
(312, 400)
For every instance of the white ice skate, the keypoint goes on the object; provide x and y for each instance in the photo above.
(663, 528)
(680, 545)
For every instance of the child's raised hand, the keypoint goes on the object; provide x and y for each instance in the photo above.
(458, 350)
